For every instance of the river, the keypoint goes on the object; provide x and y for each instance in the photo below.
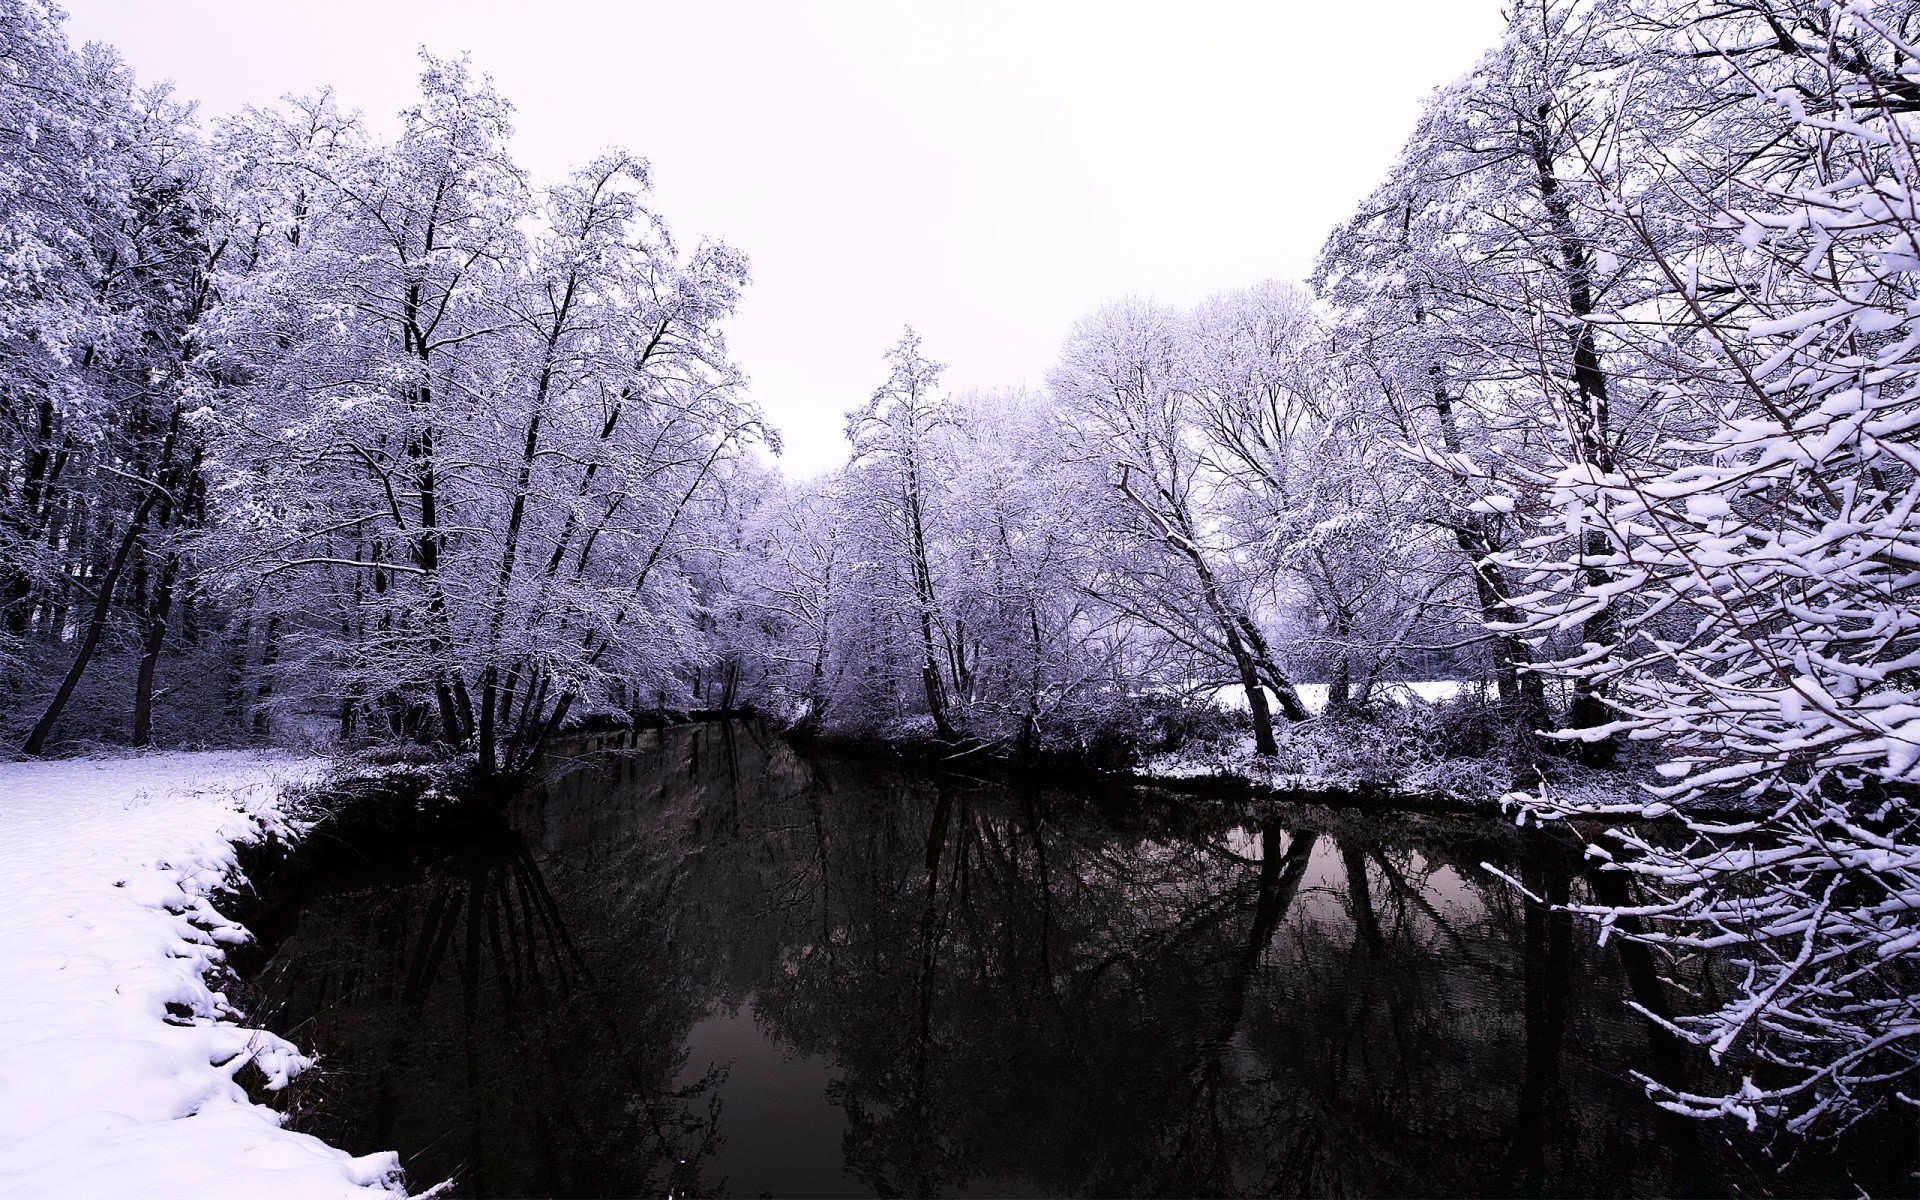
(699, 962)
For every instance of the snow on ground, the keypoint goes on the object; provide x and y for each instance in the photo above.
(1314, 695)
(106, 866)
(1313, 757)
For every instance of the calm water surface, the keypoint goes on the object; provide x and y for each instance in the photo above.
(697, 962)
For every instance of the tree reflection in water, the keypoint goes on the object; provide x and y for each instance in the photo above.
(988, 990)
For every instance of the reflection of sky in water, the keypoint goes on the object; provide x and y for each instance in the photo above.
(782, 1133)
(1449, 893)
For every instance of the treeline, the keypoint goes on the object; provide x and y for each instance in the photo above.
(1194, 506)
(311, 433)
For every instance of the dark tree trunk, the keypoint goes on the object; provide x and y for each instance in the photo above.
(815, 707)
(924, 596)
(1591, 423)
(1523, 698)
(1264, 743)
(17, 596)
(236, 690)
(488, 763)
(159, 609)
(96, 627)
(269, 658)
(1030, 720)
(1245, 645)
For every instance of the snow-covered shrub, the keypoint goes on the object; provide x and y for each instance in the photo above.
(1451, 747)
(1118, 732)
(1762, 573)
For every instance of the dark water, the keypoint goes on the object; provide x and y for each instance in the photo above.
(712, 966)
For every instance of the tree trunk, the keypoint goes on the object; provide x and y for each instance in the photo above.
(236, 689)
(16, 598)
(159, 609)
(1244, 659)
(1591, 429)
(1235, 629)
(103, 604)
(516, 516)
(924, 595)
(1340, 684)
(269, 658)
(1523, 698)
(1263, 740)
(488, 765)
(1283, 689)
(814, 706)
(1030, 720)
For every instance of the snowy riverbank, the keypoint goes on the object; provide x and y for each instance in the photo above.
(117, 1056)
(1417, 749)
(1409, 751)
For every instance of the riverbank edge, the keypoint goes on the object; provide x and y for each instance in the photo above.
(358, 816)
(1608, 789)
(359, 812)
(433, 794)
(1175, 770)
(1056, 769)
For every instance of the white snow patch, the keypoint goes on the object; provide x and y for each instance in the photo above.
(106, 866)
(1433, 691)
(1314, 695)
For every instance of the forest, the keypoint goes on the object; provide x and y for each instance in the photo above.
(1602, 406)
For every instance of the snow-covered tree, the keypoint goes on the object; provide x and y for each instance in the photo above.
(480, 428)
(1759, 569)
(1312, 500)
(1022, 552)
(1123, 384)
(1468, 290)
(894, 436)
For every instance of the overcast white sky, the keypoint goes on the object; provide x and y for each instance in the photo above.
(989, 172)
